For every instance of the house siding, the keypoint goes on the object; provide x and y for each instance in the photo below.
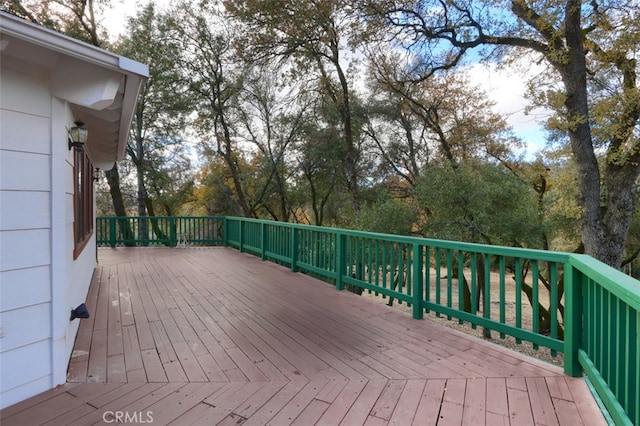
(39, 279)
(47, 80)
(25, 232)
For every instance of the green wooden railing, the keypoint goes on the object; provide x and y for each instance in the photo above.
(159, 230)
(565, 302)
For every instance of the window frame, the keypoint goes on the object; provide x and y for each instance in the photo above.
(83, 214)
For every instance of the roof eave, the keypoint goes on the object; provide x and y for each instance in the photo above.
(134, 76)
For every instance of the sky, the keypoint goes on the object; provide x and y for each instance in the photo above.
(115, 18)
(506, 88)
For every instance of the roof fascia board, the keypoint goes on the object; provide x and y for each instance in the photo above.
(66, 45)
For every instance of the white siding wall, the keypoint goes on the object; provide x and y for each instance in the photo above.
(25, 233)
(39, 280)
(71, 277)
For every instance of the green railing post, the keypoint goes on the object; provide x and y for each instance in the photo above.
(341, 259)
(294, 249)
(225, 232)
(263, 241)
(240, 235)
(572, 320)
(172, 232)
(417, 290)
(112, 231)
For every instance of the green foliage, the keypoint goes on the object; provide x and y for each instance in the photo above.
(591, 50)
(478, 202)
(156, 145)
(309, 39)
(389, 216)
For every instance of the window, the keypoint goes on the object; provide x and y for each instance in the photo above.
(82, 201)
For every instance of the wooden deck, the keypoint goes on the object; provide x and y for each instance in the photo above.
(210, 336)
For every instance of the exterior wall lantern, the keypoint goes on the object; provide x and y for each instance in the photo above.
(78, 135)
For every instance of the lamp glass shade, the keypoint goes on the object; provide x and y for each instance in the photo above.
(78, 135)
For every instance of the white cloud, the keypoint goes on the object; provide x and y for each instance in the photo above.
(506, 87)
(115, 17)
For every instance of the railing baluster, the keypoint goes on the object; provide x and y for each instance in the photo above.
(263, 241)
(385, 264)
(449, 280)
(294, 248)
(461, 283)
(393, 276)
(409, 267)
(519, 278)
(601, 310)
(377, 263)
(416, 283)
(487, 293)
(340, 260)
(474, 284)
(553, 305)
(172, 232)
(535, 296)
(427, 275)
(620, 338)
(634, 363)
(610, 331)
(437, 260)
(112, 231)
(503, 271)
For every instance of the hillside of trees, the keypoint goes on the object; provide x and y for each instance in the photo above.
(362, 114)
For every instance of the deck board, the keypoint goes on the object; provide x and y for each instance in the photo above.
(214, 336)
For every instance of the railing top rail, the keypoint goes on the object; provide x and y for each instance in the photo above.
(160, 217)
(618, 283)
(533, 254)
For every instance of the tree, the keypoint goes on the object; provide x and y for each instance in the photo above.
(156, 147)
(390, 216)
(589, 47)
(319, 164)
(439, 119)
(215, 81)
(478, 202)
(216, 194)
(76, 18)
(271, 117)
(312, 34)
(28, 10)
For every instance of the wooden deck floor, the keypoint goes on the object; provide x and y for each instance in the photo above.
(213, 336)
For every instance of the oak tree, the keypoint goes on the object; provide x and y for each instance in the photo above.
(590, 48)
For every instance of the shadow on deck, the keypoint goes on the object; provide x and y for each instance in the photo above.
(211, 336)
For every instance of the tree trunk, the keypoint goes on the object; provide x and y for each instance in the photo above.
(282, 195)
(113, 179)
(142, 202)
(157, 230)
(574, 76)
(225, 149)
(351, 157)
(618, 214)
